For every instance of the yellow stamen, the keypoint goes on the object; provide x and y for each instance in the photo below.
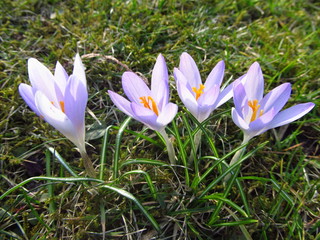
(146, 103)
(61, 105)
(198, 91)
(255, 109)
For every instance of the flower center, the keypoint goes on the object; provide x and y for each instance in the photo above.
(148, 102)
(61, 105)
(255, 109)
(198, 91)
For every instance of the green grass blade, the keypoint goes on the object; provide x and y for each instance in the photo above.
(136, 201)
(103, 154)
(62, 161)
(147, 178)
(117, 148)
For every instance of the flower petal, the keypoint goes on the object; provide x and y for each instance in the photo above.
(61, 77)
(187, 97)
(41, 78)
(240, 99)
(190, 70)
(262, 122)
(291, 114)
(254, 82)
(146, 116)
(160, 82)
(58, 119)
(76, 97)
(78, 70)
(276, 98)
(123, 104)
(238, 120)
(134, 87)
(167, 114)
(216, 75)
(209, 97)
(203, 112)
(27, 94)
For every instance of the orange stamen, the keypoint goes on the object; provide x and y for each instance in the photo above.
(198, 91)
(61, 105)
(255, 109)
(146, 103)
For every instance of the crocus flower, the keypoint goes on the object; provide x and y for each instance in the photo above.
(59, 99)
(151, 107)
(200, 99)
(255, 114)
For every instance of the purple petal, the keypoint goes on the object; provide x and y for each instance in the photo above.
(56, 118)
(276, 98)
(203, 112)
(160, 82)
(263, 121)
(27, 94)
(187, 98)
(291, 114)
(76, 97)
(134, 87)
(41, 78)
(240, 99)
(123, 104)
(146, 116)
(167, 115)
(178, 75)
(216, 75)
(254, 82)
(209, 97)
(190, 70)
(61, 77)
(238, 120)
(78, 70)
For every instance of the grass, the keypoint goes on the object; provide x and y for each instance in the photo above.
(138, 195)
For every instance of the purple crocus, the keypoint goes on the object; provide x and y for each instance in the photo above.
(255, 114)
(200, 99)
(59, 99)
(151, 107)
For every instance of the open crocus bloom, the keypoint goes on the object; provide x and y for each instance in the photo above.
(255, 114)
(150, 107)
(59, 99)
(200, 99)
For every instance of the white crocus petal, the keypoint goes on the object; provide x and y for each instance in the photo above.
(27, 94)
(41, 79)
(216, 75)
(159, 82)
(60, 77)
(167, 114)
(55, 117)
(239, 121)
(78, 70)
(291, 114)
(187, 98)
(254, 82)
(190, 70)
(123, 104)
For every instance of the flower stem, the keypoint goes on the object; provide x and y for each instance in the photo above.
(88, 164)
(169, 145)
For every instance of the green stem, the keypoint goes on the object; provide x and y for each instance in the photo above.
(88, 164)
(52, 206)
(169, 146)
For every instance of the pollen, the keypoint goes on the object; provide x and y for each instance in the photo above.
(61, 103)
(255, 109)
(148, 102)
(198, 91)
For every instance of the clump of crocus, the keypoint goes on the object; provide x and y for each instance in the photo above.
(60, 100)
(149, 106)
(200, 99)
(255, 114)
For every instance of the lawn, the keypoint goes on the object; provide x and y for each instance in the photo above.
(176, 183)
